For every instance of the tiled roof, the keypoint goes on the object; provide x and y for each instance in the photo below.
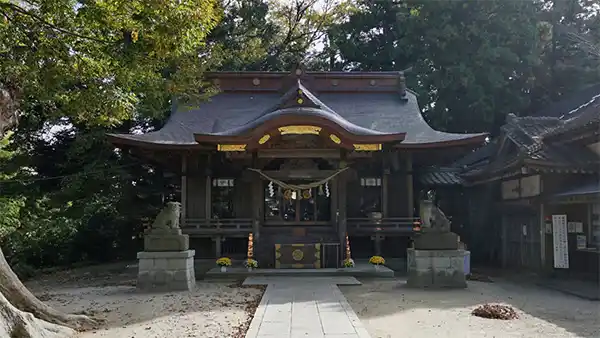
(532, 136)
(440, 176)
(571, 156)
(362, 111)
(590, 187)
(569, 103)
(527, 132)
(478, 156)
(585, 115)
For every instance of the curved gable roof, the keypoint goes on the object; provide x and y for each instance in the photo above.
(361, 110)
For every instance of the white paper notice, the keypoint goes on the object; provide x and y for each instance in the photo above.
(581, 242)
(560, 241)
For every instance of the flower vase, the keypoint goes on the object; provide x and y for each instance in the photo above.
(223, 269)
(376, 267)
(249, 269)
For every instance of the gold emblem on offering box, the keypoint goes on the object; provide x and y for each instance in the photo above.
(299, 130)
(297, 255)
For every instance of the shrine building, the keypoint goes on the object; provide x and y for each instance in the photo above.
(299, 159)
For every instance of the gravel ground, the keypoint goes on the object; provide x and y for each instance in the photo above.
(388, 309)
(212, 309)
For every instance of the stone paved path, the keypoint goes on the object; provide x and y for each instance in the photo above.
(294, 307)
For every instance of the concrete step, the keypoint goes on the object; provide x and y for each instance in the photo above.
(360, 270)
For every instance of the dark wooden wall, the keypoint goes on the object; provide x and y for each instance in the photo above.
(397, 195)
(243, 198)
(196, 196)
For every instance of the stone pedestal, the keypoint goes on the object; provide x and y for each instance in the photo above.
(166, 240)
(166, 271)
(430, 239)
(436, 268)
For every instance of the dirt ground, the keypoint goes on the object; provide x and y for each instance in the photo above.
(213, 309)
(388, 310)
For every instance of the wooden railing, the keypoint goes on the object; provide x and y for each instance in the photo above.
(392, 224)
(217, 226)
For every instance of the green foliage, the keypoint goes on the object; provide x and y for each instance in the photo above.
(10, 207)
(99, 62)
(271, 34)
(472, 61)
(74, 68)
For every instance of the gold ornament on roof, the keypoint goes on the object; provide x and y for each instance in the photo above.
(300, 101)
(264, 139)
(231, 147)
(367, 147)
(335, 139)
(299, 130)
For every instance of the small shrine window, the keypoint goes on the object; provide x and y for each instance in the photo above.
(371, 196)
(222, 195)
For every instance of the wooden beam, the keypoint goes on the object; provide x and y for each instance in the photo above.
(299, 174)
(299, 153)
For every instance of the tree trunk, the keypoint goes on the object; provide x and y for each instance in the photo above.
(15, 323)
(16, 300)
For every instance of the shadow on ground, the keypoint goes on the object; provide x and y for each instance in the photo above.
(544, 313)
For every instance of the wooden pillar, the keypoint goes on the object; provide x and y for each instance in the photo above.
(184, 194)
(409, 185)
(504, 242)
(208, 191)
(342, 202)
(385, 192)
(257, 200)
(218, 244)
(543, 260)
(384, 185)
(333, 194)
(378, 239)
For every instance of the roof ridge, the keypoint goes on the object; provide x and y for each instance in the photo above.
(594, 98)
(536, 118)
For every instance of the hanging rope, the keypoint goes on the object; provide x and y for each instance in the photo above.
(297, 187)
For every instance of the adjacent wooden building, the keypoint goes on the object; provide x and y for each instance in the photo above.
(298, 159)
(540, 167)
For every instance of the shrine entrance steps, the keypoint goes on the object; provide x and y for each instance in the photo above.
(304, 307)
(360, 270)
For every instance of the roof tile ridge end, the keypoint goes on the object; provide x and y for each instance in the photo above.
(583, 106)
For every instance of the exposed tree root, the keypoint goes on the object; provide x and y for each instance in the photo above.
(15, 323)
(18, 296)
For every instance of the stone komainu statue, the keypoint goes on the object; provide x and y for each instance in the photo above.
(168, 218)
(439, 221)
